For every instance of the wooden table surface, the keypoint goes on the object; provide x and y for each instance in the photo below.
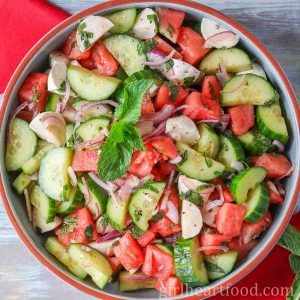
(275, 22)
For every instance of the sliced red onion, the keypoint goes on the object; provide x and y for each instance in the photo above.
(98, 210)
(109, 236)
(237, 85)
(34, 176)
(209, 216)
(72, 176)
(87, 144)
(272, 187)
(280, 188)
(176, 160)
(239, 166)
(159, 116)
(172, 239)
(155, 211)
(158, 131)
(28, 204)
(119, 182)
(105, 131)
(131, 183)
(212, 204)
(225, 39)
(222, 75)
(97, 107)
(224, 121)
(136, 276)
(66, 96)
(13, 116)
(220, 191)
(146, 179)
(157, 52)
(85, 249)
(162, 61)
(69, 113)
(167, 191)
(157, 241)
(180, 108)
(288, 173)
(279, 145)
(86, 191)
(172, 213)
(145, 127)
(99, 182)
(221, 248)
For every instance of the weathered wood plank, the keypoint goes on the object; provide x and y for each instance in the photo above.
(274, 22)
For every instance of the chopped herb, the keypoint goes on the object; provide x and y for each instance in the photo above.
(208, 161)
(84, 35)
(136, 233)
(210, 230)
(104, 221)
(184, 158)
(211, 267)
(74, 139)
(147, 46)
(192, 197)
(218, 173)
(115, 243)
(89, 230)
(157, 217)
(137, 214)
(171, 226)
(174, 90)
(68, 225)
(170, 30)
(62, 87)
(152, 18)
(169, 64)
(224, 147)
(203, 187)
(63, 195)
(188, 80)
(148, 186)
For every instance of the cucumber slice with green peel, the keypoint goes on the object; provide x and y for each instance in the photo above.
(21, 145)
(58, 250)
(21, 182)
(121, 74)
(124, 48)
(116, 212)
(52, 101)
(98, 197)
(126, 285)
(257, 203)
(246, 180)
(92, 129)
(41, 225)
(45, 205)
(231, 150)
(208, 143)
(197, 166)
(74, 199)
(53, 175)
(123, 20)
(271, 123)
(189, 262)
(143, 203)
(89, 85)
(33, 164)
(92, 262)
(69, 135)
(248, 89)
(220, 265)
(166, 248)
(78, 103)
(256, 143)
(234, 60)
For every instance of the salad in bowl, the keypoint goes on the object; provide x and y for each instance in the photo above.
(150, 152)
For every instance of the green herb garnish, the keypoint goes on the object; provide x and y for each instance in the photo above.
(174, 90)
(147, 46)
(84, 35)
(192, 197)
(184, 158)
(89, 230)
(68, 225)
(169, 64)
(157, 217)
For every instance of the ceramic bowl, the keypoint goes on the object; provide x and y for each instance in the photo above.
(37, 60)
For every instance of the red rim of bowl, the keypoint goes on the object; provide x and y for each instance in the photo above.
(111, 4)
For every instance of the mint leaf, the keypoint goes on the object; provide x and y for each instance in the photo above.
(147, 46)
(291, 240)
(294, 292)
(157, 217)
(68, 225)
(89, 230)
(130, 110)
(294, 262)
(192, 197)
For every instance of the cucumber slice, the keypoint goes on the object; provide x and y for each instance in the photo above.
(208, 144)
(44, 205)
(271, 123)
(21, 145)
(57, 249)
(21, 182)
(189, 262)
(126, 285)
(257, 203)
(33, 164)
(116, 212)
(123, 20)
(92, 262)
(69, 135)
(98, 197)
(124, 48)
(143, 203)
(231, 150)
(74, 199)
(52, 101)
(78, 103)
(234, 60)
(197, 166)
(40, 223)
(92, 129)
(246, 180)
(121, 74)
(89, 85)
(166, 248)
(220, 265)
(53, 175)
(256, 143)
(252, 89)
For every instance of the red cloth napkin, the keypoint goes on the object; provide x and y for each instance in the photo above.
(22, 24)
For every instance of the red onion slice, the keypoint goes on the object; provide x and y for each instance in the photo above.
(157, 241)
(159, 116)
(158, 131)
(145, 127)
(172, 213)
(28, 204)
(172, 239)
(72, 176)
(85, 249)
(288, 173)
(162, 61)
(279, 145)
(272, 187)
(136, 276)
(221, 248)
(237, 85)
(220, 191)
(34, 176)
(87, 144)
(98, 107)
(225, 39)
(167, 191)
(212, 204)
(128, 188)
(180, 108)
(176, 160)
(280, 188)
(86, 191)
(109, 236)
(69, 113)
(13, 116)
(222, 75)
(66, 96)
(224, 121)
(239, 166)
